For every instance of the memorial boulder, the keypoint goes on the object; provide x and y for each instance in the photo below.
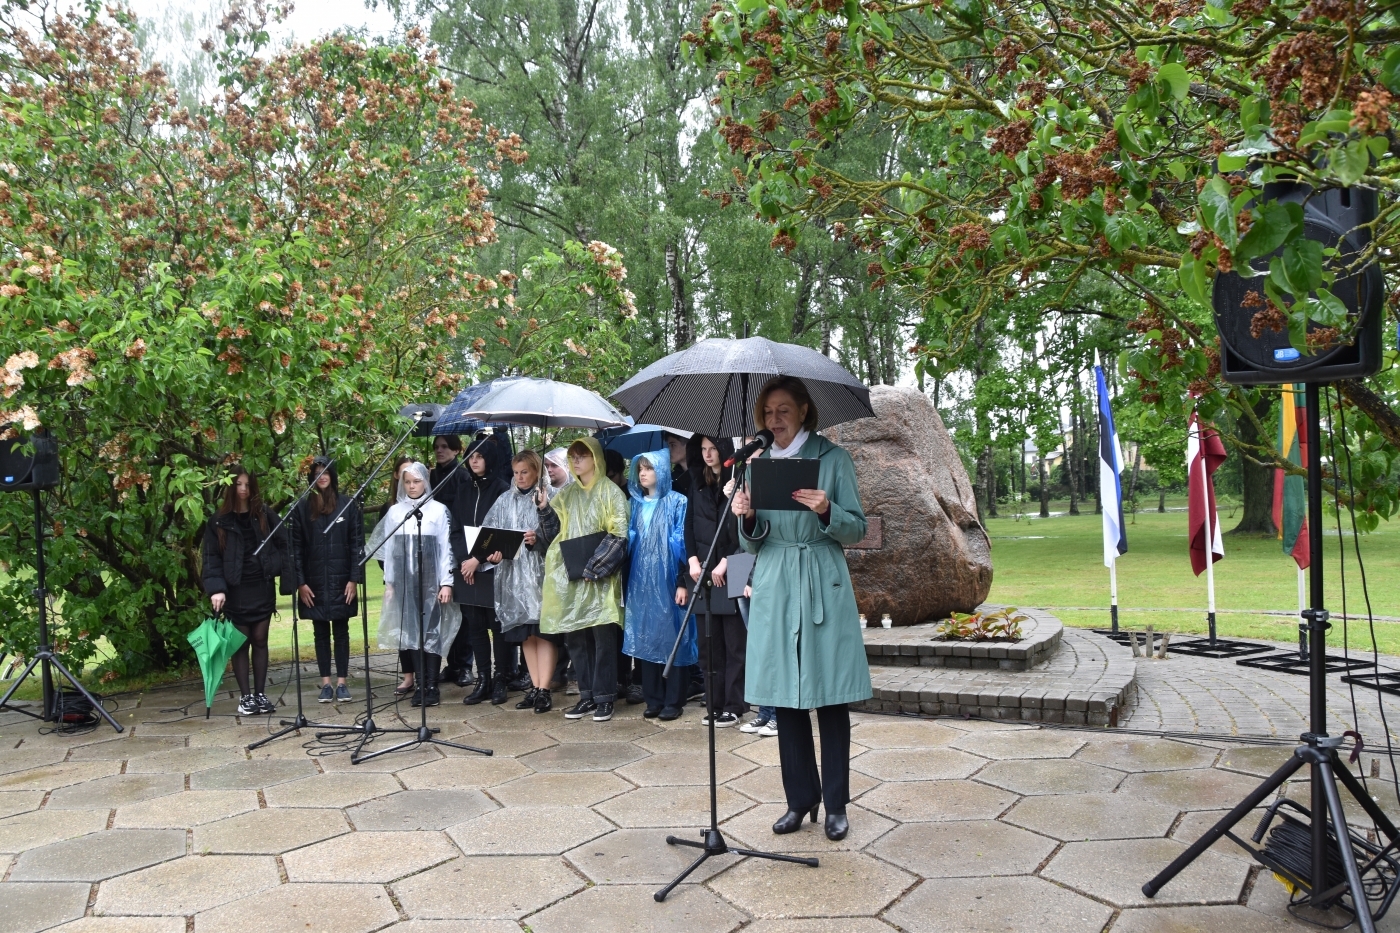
(926, 553)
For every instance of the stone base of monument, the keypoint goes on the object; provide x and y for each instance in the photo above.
(1065, 675)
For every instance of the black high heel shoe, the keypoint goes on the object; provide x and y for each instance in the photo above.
(791, 821)
(837, 826)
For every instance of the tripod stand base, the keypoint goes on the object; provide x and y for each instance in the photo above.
(423, 735)
(714, 844)
(49, 660)
(294, 724)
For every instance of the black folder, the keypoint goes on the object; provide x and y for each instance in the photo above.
(490, 540)
(737, 576)
(577, 551)
(772, 482)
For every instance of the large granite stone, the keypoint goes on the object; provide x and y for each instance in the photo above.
(912, 478)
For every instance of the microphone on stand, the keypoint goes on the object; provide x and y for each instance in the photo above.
(761, 441)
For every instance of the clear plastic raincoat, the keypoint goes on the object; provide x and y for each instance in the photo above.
(408, 590)
(519, 581)
(656, 546)
(573, 605)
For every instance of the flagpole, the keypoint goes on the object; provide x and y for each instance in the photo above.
(1302, 619)
(1113, 593)
(1210, 532)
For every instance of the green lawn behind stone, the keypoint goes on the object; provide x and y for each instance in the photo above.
(1057, 563)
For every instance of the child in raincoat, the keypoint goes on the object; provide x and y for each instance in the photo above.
(588, 611)
(656, 590)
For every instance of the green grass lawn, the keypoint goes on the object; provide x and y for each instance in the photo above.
(1057, 563)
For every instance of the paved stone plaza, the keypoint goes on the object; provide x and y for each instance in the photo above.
(957, 826)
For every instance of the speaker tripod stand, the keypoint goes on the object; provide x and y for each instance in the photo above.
(1327, 844)
(44, 658)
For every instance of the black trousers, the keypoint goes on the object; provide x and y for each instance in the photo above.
(340, 628)
(459, 656)
(594, 651)
(408, 662)
(730, 639)
(484, 633)
(802, 785)
(662, 692)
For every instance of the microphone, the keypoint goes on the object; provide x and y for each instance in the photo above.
(761, 441)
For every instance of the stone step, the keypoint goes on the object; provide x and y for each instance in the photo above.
(918, 646)
(1088, 681)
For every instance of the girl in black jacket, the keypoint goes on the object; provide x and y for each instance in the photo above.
(240, 585)
(477, 489)
(708, 506)
(328, 570)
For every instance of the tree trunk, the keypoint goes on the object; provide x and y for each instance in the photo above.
(1256, 480)
(802, 309)
(1161, 497)
(1071, 450)
(680, 306)
(1044, 489)
(1132, 483)
(990, 483)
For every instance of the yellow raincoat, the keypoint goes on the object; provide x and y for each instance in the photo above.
(572, 605)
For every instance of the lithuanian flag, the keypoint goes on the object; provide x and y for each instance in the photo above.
(1290, 491)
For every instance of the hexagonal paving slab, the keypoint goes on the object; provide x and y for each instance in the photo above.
(529, 831)
(110, 792)
(486, 887)
(187, 885)
(621, 728)
(49, 777)
(1116, 871)
(293, 908)
(1260, 761)
(125, 747)
(1198, 789)
(846, 884)
(668, 769)
(1015, 744)
(41, 827)
(902, 734)
(98, 856)
(385, 764)
(19, 801)
(373, 858)
(1076, 817)
(461, 773)
(641, 856)
(916, 764)
(502, 744)
(1193, 826)
(963, 849)
(16, 760)
(1200, 920)
(820, 925)
(251, 774)
(584, 756)
(420, 809)
(1143, 755)
(690, 739)
(124, 925)
(754, 830)
(610, 908)
(335, 790)
(185, 760)
(185, 809)
(34, 906)
(930, 801)
(564, 789)
(268, 832)
(687, 806)
(997, 905)
(455, 926)
(1050, 776)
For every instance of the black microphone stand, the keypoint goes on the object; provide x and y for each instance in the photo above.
(713, 842)
(299, 721)
(423, 735)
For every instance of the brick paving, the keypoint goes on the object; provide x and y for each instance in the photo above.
(957, 825)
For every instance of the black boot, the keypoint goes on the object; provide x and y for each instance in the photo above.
(432, 696)
(482, 691)
(498, 691)
(529, 701)
(544, 701)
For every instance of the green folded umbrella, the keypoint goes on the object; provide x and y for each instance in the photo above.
(214, 642)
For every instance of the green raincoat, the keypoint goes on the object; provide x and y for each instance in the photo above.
(571, 605)
(805, 647)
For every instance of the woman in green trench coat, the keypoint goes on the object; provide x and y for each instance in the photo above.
(805, 649)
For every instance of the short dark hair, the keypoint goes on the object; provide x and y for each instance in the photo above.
(792, 386)
(614, 462)
(453, 441)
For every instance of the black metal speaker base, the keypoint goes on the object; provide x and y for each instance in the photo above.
(1123, 637)
(50, 662)
(1218, 648)
(1288, 662)
(713, 845)
(1384, 682)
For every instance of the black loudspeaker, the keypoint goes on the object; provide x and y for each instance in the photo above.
(1335, 219)
(32, 468)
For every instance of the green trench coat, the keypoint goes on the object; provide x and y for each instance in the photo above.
(805, 647)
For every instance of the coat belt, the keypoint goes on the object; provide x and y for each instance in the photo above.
(807, 571)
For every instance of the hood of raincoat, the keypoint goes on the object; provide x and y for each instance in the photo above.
(418, 470)
(560, 458)
(695, 461)
(490, 452)
(599, 463)
(660, 461)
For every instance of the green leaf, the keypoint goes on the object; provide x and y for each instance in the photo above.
(1350, 162)
(1194, 281)
(1390, 70)
(1328, 310)
(1273, 223)
(1127, 136)
(1176, 79)
(1299, 269)
(1217, 213)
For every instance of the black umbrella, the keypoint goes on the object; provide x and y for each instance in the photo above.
(710, 388)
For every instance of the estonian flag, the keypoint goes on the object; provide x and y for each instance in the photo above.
(1115, 536)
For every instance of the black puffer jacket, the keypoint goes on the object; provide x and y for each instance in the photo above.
(223, 564)
(707, 504)
(326, 562)
(472, 499)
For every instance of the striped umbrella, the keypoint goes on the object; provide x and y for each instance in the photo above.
(710, 388)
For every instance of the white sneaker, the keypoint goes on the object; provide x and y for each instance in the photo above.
(753, 725)
(249, 706)
(769, 730)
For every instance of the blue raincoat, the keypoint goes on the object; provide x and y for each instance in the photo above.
(656, 545)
